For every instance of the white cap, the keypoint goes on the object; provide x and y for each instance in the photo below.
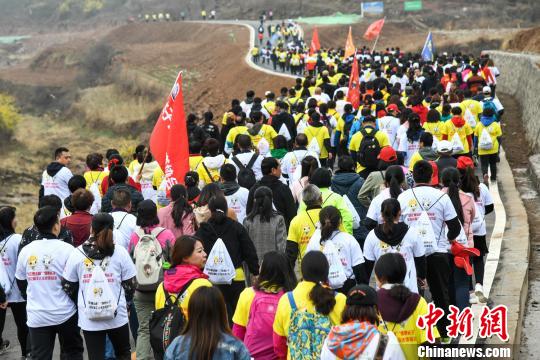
(444, 146)
(486, 90)
(267, 93)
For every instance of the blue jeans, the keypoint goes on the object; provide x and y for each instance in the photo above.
(109, 349)
(459, 286)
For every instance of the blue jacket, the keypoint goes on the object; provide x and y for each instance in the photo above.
(229, 348)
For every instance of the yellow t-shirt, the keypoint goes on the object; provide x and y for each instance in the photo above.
(434, 129)
(157, 178)
(356, 140)
(408, 334)
(234, 132)
(416, 157)
(269, 106)
(301, 298)
(475, 107)
(214, 173)
(299, 116)
(95, 177)
(301, 228)
(266, 132)
(133, 165)
(494, 130)
(243, 307)
(160, 295)
(194, 162)
(450, 129)
(321, 134)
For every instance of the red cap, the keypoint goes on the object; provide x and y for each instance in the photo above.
(387, 154)
(381, 113)
(464, 162)
(393, 107)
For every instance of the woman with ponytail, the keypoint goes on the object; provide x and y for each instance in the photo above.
(238, 244)
(399, 308)
(465, 209)
(310, 298)
(309, 165)
(410, 143)
(191, 179)
(394, 181)
(178, 215)
(393, 236)
(350, 252)
(99, 250)
(265, 226)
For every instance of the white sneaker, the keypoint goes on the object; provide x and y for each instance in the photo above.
(479, 292)
(473, 299)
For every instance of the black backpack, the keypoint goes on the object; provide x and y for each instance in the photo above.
(246, 175)
(167, 323)
(369, 150)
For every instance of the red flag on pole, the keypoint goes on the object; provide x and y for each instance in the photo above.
(353, 96)
(349, 45)
(169, 139)
(315, 45)
(374, 30)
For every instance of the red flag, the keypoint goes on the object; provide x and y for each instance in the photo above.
(374, 30)
(315, 45)
(169, 139)
(488, 75)
(349, 45)
(353, 96)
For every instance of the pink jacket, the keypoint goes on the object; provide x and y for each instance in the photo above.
(297, 187)
(166, 221)
(166, 236)
(469, 212)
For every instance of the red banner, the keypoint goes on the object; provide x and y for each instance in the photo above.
(374, 30)
(353, 96)
(169, 139)
(315, 45)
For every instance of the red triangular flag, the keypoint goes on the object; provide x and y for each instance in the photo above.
(315, 45)
(353, 96)
(169, 139)
(374, 30)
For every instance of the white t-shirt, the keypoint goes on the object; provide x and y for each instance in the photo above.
(393, 349)
(293, 159)
(483, 200)
(410, 247)
(374, 211)
(117, 268)
(57, 184)
(390, 125)
(238, 203)
(9, 247)
(438, 207)
(408, 147)
(42, 263)
(340, 106)
(401, 133)
(349, 251)
(244, 159)
(125, 224)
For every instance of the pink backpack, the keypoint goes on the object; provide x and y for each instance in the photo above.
(259, 331)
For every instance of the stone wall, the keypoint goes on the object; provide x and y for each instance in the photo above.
(520, 77)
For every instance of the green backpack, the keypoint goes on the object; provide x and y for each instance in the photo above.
(307, 332)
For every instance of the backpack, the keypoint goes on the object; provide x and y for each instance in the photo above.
(489, 104)
(336, 272)
(148, 258)
(424, 228)
(469, 118)
(457, 144)
(259, 329)
(349, 120)
(219, 266)
(485, 142)
(94, 189)
(307, 332)
(283, 130)
(313, 145)
(369, 149)
(98, 299)
(166, 323)
(5, 282)
(246, 175)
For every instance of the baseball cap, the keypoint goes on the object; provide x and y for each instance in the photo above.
(486, 90)
(266, 93)
(464, 162)
(362, 295)
(387, 154)
(393, 107)
(444, 146)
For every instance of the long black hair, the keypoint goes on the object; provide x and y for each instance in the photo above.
(391, 268)
(218, 207)
(470, 182)
(7, 215)
(315, 268)
(394, 179)
(309, 165)
(276, 272)
(180, 204)
(262, 204)
(330, 219)
(390, 209)
(415, 129)
(452, 180)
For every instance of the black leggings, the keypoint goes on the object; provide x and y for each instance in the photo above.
(489, 161)
(95, 343)
(19, 315)
(231, 293)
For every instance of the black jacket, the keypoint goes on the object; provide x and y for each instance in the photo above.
(32, 233)
(211, 130)
(282, 197)
(136, 197)
(236, 239)
(287, 119)
(196, 133)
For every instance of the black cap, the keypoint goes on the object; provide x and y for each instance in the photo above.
(362, 295)
(102, 221)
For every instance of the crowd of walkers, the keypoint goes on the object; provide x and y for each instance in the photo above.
(294, 204)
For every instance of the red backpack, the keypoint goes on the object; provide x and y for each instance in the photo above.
(259, 329)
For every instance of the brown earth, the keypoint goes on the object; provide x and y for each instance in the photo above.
(526, 41)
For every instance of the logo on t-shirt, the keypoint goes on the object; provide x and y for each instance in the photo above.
(47, 260)
(32, 262)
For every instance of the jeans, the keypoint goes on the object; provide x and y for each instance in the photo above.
(438, 279)
(119, 337)
(18, 309)
(491, 162)
(144, 305)
(69, 335)
(231, 293)
(459, 285)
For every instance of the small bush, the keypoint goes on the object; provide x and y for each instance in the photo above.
(95, 65)
(9, 116)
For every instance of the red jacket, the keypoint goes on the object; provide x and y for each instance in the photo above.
(79, 223)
